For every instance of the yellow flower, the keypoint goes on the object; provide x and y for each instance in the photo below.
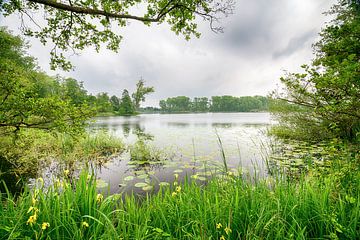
(30, 209)
(178, 189)
(230, 173)
(176, 176)
(174, 194)
(33, 201)
(99, 197)
(31, 220)
(222, 238)
(218, 225)
(45, 225)
(66, 172)
(33, 209)
(85, 224)
(227, 230)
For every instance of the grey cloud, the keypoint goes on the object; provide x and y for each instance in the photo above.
(261, 38)
(295, 44)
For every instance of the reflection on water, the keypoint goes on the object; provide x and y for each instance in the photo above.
(188, 143)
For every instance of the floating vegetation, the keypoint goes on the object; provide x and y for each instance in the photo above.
(129, 178)
(141, 184)
(294, 157)
(100, 183)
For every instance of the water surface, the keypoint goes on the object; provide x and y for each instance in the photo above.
(189, 142)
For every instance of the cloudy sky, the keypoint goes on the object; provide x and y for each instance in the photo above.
(261, 40)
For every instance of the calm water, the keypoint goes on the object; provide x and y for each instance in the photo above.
(189, 143)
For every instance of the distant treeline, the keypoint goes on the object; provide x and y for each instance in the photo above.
(214, 104)
(101, 104)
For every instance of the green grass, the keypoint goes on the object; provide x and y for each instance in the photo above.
(313, 208)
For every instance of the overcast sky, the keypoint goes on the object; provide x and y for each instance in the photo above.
(261, 40)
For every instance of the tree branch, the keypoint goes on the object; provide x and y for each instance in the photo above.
(90, 11)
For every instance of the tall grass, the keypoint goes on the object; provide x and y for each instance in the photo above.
(317, 207)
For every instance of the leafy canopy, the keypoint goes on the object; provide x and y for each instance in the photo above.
(30, 98)
(76, 24)
(327, 93)
(139, 95)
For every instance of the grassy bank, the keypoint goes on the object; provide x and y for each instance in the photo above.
(320, 206)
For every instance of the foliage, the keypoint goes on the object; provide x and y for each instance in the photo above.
(139, 95)
(103, 103)
(176, 104)
(31, 99)
(142, 152)
(327, 93)
(238, 104)
(126, 105)
(217, 104)
(115, 103)
(324, 206)
(77, 24)
(22, 156)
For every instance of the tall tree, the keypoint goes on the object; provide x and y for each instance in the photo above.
(76, 24)
(327, 93)
(115, 103)
(126, 105)
(139, 95)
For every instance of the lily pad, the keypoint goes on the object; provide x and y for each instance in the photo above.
(129, 178)
(147, 188)
(143, 176)
(101, 183)
(141, 184)
(178, 171)
(163, 184)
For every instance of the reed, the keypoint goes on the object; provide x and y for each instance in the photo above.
(321, 206)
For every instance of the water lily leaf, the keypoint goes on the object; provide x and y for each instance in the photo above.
(141, 185)
(178, 171)
(143, 176)
(101, 183)
(129, 178)
(147, 188)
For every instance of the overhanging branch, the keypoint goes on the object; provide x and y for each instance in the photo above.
(95, 12)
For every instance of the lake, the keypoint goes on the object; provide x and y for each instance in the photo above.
(189, 145)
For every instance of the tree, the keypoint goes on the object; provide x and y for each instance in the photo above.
(73, 90)
(77, 24)
(178, 104)
(103, 103)
(29, 98)
(126, 105)
(139, 95)
(115, 103)
(327, 93)
(200, 104)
